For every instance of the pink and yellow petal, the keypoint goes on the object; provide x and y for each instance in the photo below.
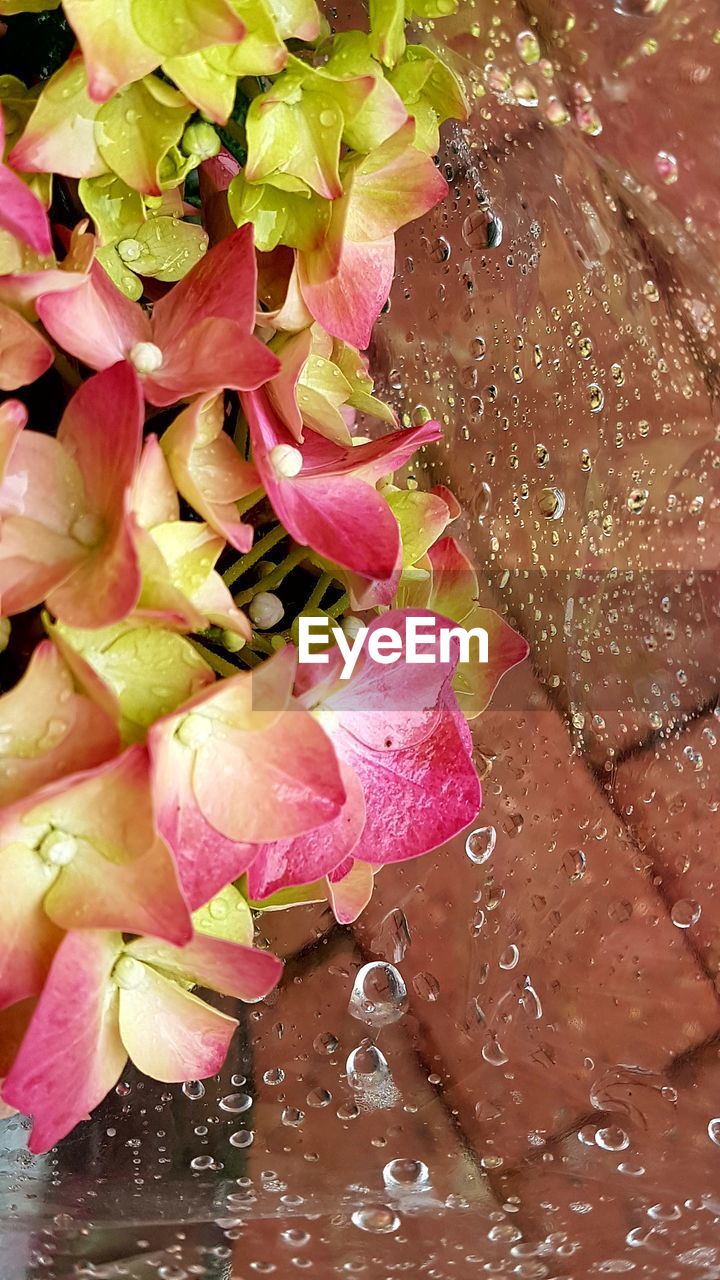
(72, 1053)
(351, 891)
(28, 938)
(170, 1034)
(208, 469)
(227, 967)
(48, 728)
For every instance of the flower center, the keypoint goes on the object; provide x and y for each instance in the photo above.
(58, 848)
(128, 973)
(146, 357)
(286, 461)
(88, 529)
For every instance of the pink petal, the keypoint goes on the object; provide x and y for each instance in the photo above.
(417, 797)
(348, 300)
(310, 856)
(21, 213)
(48, 729)
(205, 860)
(122, 876)
(208, 469)
(105, 586)
(102, 430)
(291, 778)
(28, 938)
(350, 894)
(72, 1053)
(24, 353)
(282, 390)
(223, 285)
(291, 781)
(169, 1033)
(22, 287)
(212, 355)
(227, 967)
(154, 498)
(13, 418)
(338, 515)
(94, 322)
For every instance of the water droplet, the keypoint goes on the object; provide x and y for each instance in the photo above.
(666, 167)
(526, 43)
(236, 1103)
(714, 1131)
(426, 986)
(509, 957)
(478, 348)
(574, 863)
(319, 1098)
(440, 250)
(392, 938)
(480, 844)
(551, 503)
(194, 1089)
(482, 229)
(274, 1076)
(326, 1043)
(292, 1117)
(379, 995)
(377, 1219)
(612, 1138)
(685, 913)
(406, 1175)
(637, 498)
(596, 397)
(365, 1064)
(243, 1138)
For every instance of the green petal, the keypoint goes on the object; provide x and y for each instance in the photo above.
(430, 8)
(383, 112)
(226, 916)
(355, 370)
(387, 30)
(210, 90)
(297, 126)
(170, 248)
(137, 128)
(176, 27)
(261, 53)
(114, 207)
(126, 281)
(296, 19)
(151, 671)
(278, 217)
(431, 92)
(422, 518)
(9, 7)
(60, 135)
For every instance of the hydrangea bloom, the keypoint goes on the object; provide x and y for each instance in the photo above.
(194, 475)
(198, 338)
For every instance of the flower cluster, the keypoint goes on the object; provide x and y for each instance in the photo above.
(218, 467)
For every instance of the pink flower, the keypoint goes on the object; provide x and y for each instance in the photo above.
(83, 853)
(21, 213)
(65, 523)
(49, 728)
(24, 353)
(199, 337)
(246, 727)
(105, 1000)
(406, 757)
(208, 470)
(324, 493)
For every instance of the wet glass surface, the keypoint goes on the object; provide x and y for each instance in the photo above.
(529, 1083)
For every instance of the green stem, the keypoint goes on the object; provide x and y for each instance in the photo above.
(272, 580)
(218, 664)
(241, 566)
(318, 592)
(339, 606)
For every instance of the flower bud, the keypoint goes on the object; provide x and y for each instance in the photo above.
(265, 609)
(200, 141)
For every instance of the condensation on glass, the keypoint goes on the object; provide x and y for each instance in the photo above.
(525, 1082)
